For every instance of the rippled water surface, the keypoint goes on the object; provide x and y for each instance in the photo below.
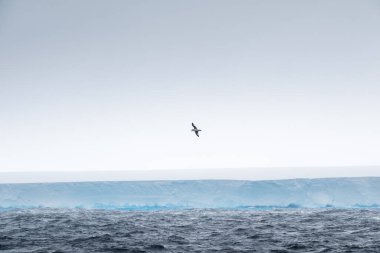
(297, 230)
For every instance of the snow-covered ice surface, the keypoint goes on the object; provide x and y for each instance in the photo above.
(145, 195)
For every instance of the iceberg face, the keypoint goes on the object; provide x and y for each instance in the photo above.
(142, 195)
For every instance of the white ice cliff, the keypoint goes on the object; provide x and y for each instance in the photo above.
(337, 192)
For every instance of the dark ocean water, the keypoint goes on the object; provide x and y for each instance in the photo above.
(282, 230)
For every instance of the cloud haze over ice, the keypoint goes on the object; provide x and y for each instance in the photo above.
(265, 173)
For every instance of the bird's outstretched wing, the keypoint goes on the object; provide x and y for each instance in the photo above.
(197, 133)
(194, 126)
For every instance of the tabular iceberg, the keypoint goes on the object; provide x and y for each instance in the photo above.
(336, 192)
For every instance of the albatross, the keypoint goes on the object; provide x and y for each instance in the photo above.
(196, 130)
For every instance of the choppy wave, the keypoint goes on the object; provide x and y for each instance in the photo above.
(194, 230)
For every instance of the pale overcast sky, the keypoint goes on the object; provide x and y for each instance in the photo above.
(115, 85)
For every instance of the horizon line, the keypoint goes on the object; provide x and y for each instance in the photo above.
(249, 174)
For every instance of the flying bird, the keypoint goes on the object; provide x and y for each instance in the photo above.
(196, 130)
